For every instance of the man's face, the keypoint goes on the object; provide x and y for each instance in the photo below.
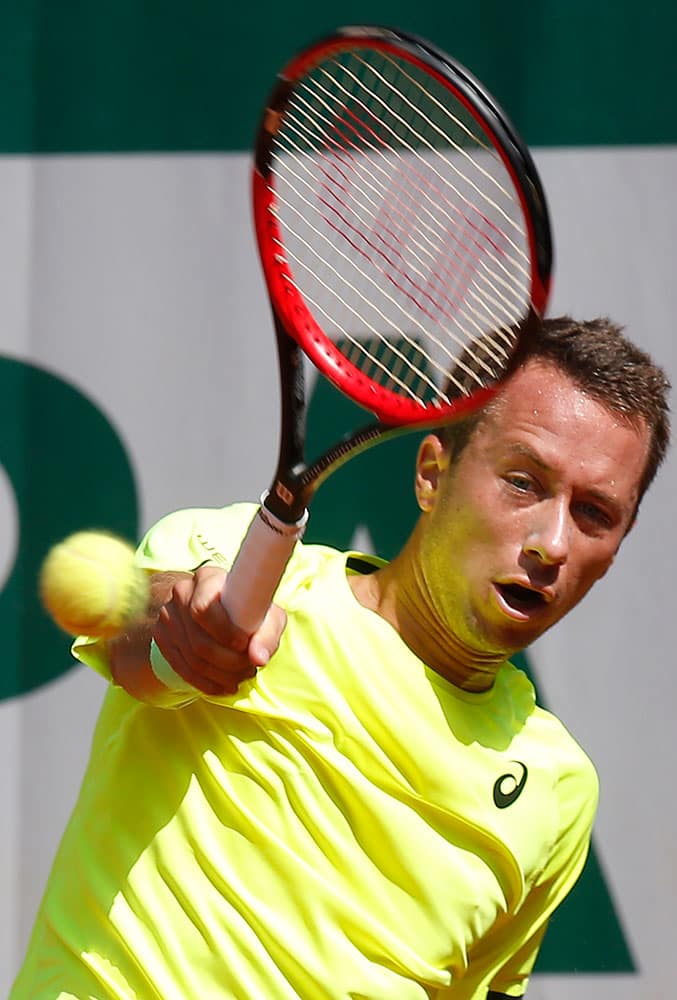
(531, 513)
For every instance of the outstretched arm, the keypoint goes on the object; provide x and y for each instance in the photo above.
(193, 633)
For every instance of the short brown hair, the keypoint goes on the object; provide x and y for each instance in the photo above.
(599, 359)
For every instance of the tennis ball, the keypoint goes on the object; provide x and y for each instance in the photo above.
(90, 585)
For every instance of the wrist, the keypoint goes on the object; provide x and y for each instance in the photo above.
(165, 673)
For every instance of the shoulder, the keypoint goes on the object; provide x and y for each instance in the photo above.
(185, 539)
(560, 752)
(188, 538)
(574, 785)
(573, 768)
(561, 769)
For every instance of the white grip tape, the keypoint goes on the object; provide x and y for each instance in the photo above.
(165, 673)
(258, 568)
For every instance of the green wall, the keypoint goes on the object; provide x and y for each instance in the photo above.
(134, 75)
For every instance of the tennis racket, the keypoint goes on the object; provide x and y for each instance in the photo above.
(404, 238)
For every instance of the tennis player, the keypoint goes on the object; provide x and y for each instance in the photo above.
(382, 811)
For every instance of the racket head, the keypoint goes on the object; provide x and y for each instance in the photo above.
(401, 224)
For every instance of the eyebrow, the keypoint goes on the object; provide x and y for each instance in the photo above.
(593, 492)
(526, 452)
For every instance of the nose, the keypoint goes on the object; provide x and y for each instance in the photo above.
(548, 537)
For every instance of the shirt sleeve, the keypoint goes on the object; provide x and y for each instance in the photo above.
(187, 539)
(577, 794)
(504, 959)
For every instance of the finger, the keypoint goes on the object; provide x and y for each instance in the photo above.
(266, 639)
(207, 610)
(202, 674)
(194, 650)
(181, 667)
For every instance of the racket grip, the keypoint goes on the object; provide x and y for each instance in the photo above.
(258, 567)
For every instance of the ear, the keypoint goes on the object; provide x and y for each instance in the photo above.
(432, 461)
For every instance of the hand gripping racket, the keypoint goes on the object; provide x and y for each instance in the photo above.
(404, 238)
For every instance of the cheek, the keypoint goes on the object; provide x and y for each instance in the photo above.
(458, 538)
(479, 521)
(598, 568)
(591, 568)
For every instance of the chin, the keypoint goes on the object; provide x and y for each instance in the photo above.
(512, 637)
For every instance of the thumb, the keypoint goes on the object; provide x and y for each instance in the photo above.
(265, 641)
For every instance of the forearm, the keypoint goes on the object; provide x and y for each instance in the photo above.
(197, 650)
(129, 653)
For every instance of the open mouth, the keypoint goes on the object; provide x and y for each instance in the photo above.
(520, 598)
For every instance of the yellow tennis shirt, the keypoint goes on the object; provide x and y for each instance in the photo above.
(349, 825)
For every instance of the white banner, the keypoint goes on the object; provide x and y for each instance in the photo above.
(133, 281)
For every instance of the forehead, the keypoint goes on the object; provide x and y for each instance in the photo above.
(539, 389)
(542, 408)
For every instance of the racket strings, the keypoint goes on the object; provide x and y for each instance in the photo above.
(408, 186)
(470, 205)
(429, 123)
(360, 353)
(431, 204)
(394, 227)
(387, 214)
(359, 305)
(401, 226)
(371, 366)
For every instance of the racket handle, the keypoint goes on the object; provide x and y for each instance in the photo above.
(258, 567)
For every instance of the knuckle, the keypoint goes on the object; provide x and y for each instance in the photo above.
(164, 616)
(197, 607)
(180, 589)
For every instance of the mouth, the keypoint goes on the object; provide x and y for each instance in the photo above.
(520, 601)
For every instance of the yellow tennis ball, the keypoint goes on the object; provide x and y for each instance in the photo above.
(90, 584)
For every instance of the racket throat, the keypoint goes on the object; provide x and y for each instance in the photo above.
(287, 503)
(287, 498)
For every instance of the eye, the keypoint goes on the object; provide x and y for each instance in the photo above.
(594, 514)
(520, 481)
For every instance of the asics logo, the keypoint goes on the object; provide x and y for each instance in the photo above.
(509, 787)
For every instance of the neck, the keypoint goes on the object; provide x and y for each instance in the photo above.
(395, 593)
